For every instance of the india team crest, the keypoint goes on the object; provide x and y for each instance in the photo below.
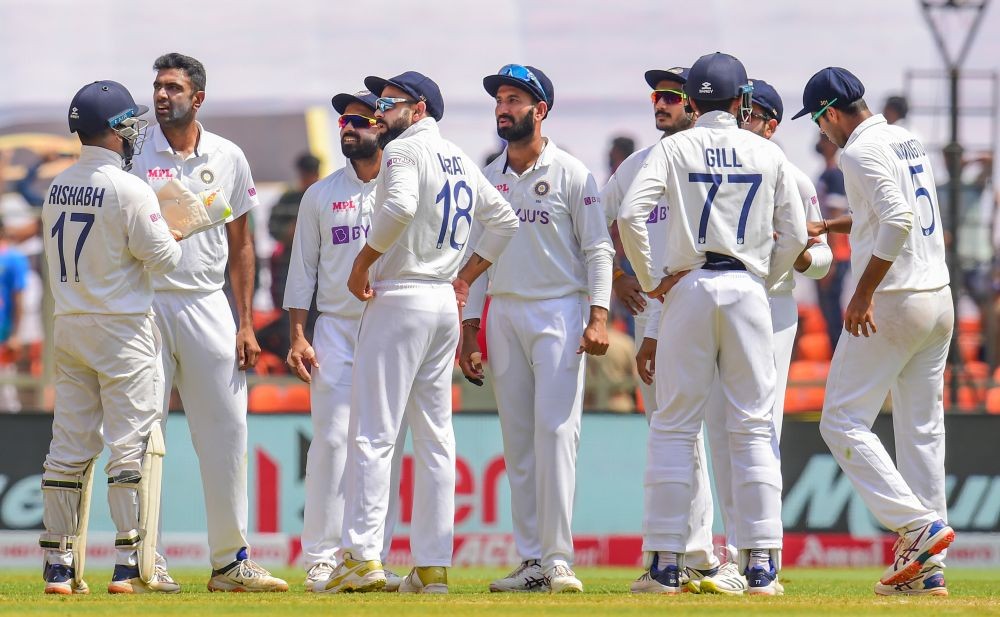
(207, 176)
(542, 188)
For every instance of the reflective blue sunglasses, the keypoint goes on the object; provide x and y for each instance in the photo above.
(385, 103)
(524, 74)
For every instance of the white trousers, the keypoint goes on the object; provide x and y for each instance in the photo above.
(539, 394)
(335, 340)
(784, 321)
(199, 357)
(700, 552)
(108, 391)
(713, 324)
(402, 369)
(907, 357)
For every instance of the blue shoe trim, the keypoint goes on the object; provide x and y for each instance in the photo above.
(57, 573)
(123, 573)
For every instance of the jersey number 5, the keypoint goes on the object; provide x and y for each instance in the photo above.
(461, 188)
(921, 190)
(87, 219)
(754, 180)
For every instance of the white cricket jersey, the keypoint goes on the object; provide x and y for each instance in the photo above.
(433, 188)
(613, 194)
(729, 190)
(888, 177)
(333, 223)
(562, 246)
(103, 236)
(215, 163)
(821, 255)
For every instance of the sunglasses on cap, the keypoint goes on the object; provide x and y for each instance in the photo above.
(822, 110)
(357, 121)
(385, 103)
(523, 74)
(669, 97)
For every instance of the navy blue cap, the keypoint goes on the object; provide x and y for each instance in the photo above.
(527, 78)
(831, 83)
(364, 97)
(767, 97)
(102, 105)
(677, 73)
(416, 85)
(716, 77)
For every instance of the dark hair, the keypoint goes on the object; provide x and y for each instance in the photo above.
(307, 164)
(705, 106)
(89, 139)
(899, 104)
(194, 69)
(857, 107)
(626, 145)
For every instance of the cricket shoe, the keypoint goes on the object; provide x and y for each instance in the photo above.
(654, 580)
(526, 577)
(427, 579)
(244, 575)
(59, 579)
(392, 581)
(319, 572)
(763, 581)
(562, 579)
(913, 548)
(353, 575)
(126, 579)
(726, 579)
(929, 582)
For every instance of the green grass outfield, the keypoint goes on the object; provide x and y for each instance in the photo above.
(808, 592)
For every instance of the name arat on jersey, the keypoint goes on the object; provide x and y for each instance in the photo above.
(69, 195)
(451, 165)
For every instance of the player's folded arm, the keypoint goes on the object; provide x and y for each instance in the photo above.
(149, 240)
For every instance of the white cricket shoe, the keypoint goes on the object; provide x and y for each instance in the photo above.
(653, 580)
(319, 572)
(526, 577)
(913, 548)
(563, 580)
(426, 579)
(726, 580)
(353, 575)
(244, 575)
(929, 582)
(392, 581)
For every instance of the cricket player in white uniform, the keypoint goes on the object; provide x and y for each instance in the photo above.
(671, 116)
(428, 194)
(204, 354)
(550, 294)
(103, 236)
(736, 221)
(898, 326)
(814, 262)
(333, 222)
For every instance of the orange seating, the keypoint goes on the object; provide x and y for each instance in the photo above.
(970, 325)
(297, 398)
(456, 398)
(811, 319)
(808, 372)
(993, 401)
(803, 398)
(267, 398)
(814, 347)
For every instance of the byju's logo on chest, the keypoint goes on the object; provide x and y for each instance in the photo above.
(344, 234)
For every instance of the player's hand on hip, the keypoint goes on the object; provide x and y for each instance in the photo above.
(470, 359)
(358, 285)
(666, 284)
(627, 289)
(461, 292)
(301, 358)
(247, 348)
(859, 318)
(645, 360)
(595, 337)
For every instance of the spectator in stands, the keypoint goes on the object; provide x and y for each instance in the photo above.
(281, 225)
(896, 108)
(13, 278)
(611, 379)
(833, 203)
(621, 148)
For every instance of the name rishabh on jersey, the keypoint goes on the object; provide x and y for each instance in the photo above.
(429, 184)
(887, 175)
(103, 236)
(729, 191)
(333, 223)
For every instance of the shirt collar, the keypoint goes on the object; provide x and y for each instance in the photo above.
(206, 141)
(99, 155)
(544, 158)
(717, 120)
(864, 126)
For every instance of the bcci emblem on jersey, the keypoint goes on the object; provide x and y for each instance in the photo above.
(207, 176)
(542, 188)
